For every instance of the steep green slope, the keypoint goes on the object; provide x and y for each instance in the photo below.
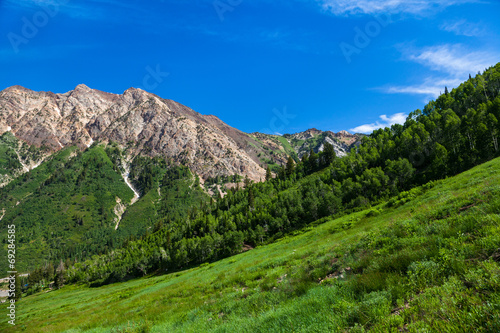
(170, 194)
(70, 206)
(9, 162)
(425, 261)
(64, 208)
(12, 154)
(430, 145)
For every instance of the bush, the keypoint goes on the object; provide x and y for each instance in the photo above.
(374, 212)
(422, 274)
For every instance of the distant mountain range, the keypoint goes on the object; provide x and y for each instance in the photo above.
(142, 123)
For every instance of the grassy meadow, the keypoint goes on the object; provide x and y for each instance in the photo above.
(425, 261)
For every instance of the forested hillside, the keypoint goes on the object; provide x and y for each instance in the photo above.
(17, 157)
(430, 264)
(455, 132)
(73, 206)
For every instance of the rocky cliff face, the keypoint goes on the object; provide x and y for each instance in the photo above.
(144, 123)
(51, 120)
(342, 141)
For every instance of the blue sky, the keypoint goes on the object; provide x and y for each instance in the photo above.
(259, 65)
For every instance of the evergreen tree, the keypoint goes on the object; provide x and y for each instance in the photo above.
(328, 154)
(282, 173)
(305, 163)
(251, 198)
(313, 160)
(290, 166)
(269, 175)
(247, 181)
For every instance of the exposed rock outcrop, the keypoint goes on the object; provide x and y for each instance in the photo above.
(146, 124)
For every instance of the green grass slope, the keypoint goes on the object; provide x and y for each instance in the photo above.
(426, 261)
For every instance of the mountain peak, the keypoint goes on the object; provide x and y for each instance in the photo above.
(79, 117)
(313, 131)
(135, 92)
(17, 88)
(82, 87)
(204, 143)
(131, 89)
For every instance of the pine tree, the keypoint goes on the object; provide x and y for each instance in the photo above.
(282, 173)
(313, 160)
(247, 181)
(328, 154)
(251, 198)
(304, 158)
(290, 166)
(269, 175)
(305, 163)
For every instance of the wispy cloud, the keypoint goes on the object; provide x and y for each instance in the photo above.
(453, 59)
(431, 87)
(371, 7)
(452, 64)
(463, 28)
(385, 121)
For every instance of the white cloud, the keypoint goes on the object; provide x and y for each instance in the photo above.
(386, 121)
(454, 62)
(431, 88)
(347, 7)
(463, 28)
(454, 59)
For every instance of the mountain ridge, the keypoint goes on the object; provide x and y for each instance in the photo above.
(145, 124)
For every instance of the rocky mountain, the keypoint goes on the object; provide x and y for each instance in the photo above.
(342, 141)
(301, 143)
(145, 124)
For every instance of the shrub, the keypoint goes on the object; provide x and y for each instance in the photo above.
(423, 274)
